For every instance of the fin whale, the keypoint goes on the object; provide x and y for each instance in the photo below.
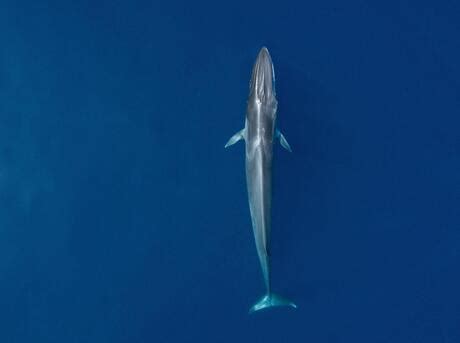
(259, 133)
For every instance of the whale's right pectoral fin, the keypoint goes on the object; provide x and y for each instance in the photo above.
(283, 141)
(235, 138)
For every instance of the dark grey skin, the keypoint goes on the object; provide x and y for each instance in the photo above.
(259, 133)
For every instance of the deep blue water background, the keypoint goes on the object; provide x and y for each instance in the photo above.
(123, 219)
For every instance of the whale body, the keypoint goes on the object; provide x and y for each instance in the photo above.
(259, 134)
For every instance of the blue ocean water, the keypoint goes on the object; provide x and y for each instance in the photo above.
(123, 218)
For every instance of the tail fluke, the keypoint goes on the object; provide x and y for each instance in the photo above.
(271, 300)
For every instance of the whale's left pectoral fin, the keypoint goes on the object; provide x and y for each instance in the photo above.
(283, 141)
(235, 138)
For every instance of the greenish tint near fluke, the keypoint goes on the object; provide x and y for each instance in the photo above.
(271, 300)
(259, 133)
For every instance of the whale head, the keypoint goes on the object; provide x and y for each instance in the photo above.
(262, 86)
